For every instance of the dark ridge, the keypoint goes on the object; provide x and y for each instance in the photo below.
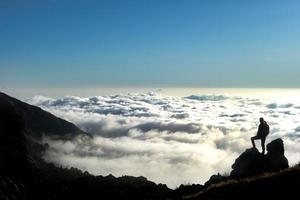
(38, 122)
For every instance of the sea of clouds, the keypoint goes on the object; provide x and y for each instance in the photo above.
(168, 139)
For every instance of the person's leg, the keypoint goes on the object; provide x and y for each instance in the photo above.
(252, 140)
(263, 140)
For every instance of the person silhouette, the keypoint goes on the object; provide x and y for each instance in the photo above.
(262, 133)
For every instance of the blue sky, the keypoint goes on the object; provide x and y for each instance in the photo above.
(60, 43)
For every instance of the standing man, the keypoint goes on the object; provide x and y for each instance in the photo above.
(262, 133)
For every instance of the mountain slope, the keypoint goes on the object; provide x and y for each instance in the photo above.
(37, 121)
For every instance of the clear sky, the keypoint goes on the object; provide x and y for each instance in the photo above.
(60, 43)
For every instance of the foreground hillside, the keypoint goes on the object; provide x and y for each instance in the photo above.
(25, 175)
(276, 185)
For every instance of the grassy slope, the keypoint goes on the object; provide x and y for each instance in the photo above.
(283, 184)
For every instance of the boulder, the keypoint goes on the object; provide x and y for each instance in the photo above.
(275, 147)
(275, 155)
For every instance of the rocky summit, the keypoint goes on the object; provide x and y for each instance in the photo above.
(251, 162)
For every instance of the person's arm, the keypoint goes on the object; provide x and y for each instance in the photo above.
(259, 129)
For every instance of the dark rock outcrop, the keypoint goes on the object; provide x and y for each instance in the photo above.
(251, 162)
(275, 155)
(9, 189)
(186, 190)
(216, 178)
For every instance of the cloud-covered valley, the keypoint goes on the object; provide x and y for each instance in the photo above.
(167, 139)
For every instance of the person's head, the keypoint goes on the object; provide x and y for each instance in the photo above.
(261, 120)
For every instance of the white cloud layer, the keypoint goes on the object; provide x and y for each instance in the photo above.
(167, 139)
